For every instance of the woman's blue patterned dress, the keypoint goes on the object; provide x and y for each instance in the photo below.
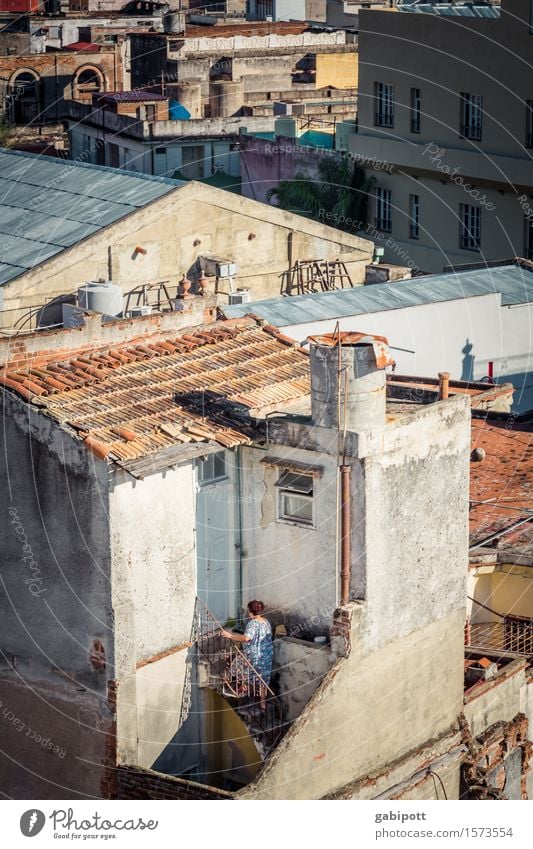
(259, 648)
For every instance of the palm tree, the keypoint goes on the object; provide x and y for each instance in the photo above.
(342, 190)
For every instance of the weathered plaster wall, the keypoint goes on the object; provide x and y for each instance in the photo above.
(370, 709)
(182, 226)
(402, 684)
(289, 566)
(159, 687)
(299, 667)
(56, 601)
(497, 700)
(416, 521)
(153, 586)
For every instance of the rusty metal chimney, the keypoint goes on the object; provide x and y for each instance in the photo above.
(348, 380)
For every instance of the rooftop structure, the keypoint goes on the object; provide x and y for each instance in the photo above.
(69, 223)
(458, 169)
(49, 206)
(473, 322)
(191, 387)
(501, 489)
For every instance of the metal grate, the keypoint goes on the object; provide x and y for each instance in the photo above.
(512, 635)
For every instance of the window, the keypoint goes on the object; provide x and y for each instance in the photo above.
(295, 498)
(471, 115)
(383, 105)
(415, 110)
(528, 241)
(529, 123)
(212, 468)
(383, 210)
(414, 214)
(470, 227)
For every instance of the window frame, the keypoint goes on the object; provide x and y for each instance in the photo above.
(469, 231)
(214, 478)
(414, 220)
(529, 124)
(471, 116)
(384, 105)
(528, 237)
(283, 486)
(383, 217)
(415, 111)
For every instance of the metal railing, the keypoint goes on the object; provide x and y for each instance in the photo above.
(234, 677)
(511, 635)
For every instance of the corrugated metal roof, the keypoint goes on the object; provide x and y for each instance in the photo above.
(514, 282)
(48, 205)
(448, 10)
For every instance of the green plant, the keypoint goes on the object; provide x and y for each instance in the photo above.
(338, 198)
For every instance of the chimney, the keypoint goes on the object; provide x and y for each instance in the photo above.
(351, 365)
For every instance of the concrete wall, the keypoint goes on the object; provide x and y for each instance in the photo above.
(460, 336)
(370, 709)
(290, 567)
(159, 687)
(154, 590)
(56, 604)
(409, 549)
(340, 71)
(179, 228)
(299, 667)
(506, 589)
(498, 700)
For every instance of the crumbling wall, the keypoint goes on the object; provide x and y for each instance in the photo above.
(136, 783)
(497, 764)
(56, 642)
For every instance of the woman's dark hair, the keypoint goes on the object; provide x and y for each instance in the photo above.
(256, 607)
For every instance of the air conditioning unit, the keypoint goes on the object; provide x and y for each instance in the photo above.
(241, 296)
(135, 312)
(218, 267)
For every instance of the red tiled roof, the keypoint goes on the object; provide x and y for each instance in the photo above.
(130, 401)
(83, 47)
(502, 482)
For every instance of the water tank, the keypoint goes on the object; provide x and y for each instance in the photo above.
(226, 98)
(101, 296)
(174, 22)
(189, 94)
(351, 365)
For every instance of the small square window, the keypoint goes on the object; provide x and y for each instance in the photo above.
(295, 498)
(212, 468)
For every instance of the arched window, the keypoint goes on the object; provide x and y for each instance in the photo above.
(86, 82)
(25, 97)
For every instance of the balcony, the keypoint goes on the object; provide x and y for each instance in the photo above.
(511, 636)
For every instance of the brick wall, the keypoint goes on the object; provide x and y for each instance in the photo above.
(136, 783)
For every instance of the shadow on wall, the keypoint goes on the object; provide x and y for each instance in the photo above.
(212, 746)
(467, 372)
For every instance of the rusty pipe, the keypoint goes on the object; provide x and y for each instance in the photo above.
(444, 385)
(345, 535)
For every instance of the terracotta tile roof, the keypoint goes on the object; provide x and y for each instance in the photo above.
(131, 401)
(501, 485)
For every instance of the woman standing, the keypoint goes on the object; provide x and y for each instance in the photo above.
(257, 648)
